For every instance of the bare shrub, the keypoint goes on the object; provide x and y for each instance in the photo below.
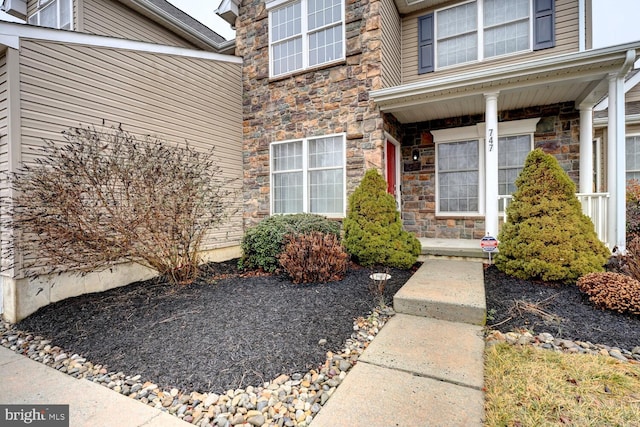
(612, 291)
(105, 196)
(314, 258)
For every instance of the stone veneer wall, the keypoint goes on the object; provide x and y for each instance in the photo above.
(326, 100)
(557, 133)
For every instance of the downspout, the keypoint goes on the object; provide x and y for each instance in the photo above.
(617, 121)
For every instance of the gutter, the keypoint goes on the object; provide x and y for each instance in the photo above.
(602, 122)
(519, 70)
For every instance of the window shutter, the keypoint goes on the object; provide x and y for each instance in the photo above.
(544, 35)
(425, 44)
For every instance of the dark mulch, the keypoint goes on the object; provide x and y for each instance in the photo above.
(224, 331)
(563, 311)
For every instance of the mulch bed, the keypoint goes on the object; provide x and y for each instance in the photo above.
(561, 310)
(226, 330)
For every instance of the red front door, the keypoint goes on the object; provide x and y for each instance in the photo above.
(391, 168)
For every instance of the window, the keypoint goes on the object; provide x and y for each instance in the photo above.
(512, 153)
(460, 160)
(633, 157)
(304, 34)
(482, 29)
(308, 175)
(53, 14)
(458, 176)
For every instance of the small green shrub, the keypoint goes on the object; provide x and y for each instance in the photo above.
(262, 244)
(633, 209)
(314, 258)
(612, 291)
(373, 231)
(547, 236)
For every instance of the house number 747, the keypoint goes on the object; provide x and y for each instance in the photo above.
(490, 140)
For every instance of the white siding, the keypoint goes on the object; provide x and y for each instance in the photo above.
(197, 100)
(112, 18)
(566, 41)
(391, 44)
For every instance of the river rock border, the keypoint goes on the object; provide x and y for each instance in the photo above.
(548, 342)
(288, 400)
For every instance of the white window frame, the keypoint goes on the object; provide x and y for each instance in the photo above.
(274, 5)
(477, 132)
(627, 170)
(306, 191)
(43, 4)
(531, 145)
(480, 28)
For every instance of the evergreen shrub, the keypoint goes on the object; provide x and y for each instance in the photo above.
(373, 231)
(547, 237)
(314, 258)
(262, 244)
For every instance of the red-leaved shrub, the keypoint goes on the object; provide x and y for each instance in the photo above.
(612, 291)
(314, 258)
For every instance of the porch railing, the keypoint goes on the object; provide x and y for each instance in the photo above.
(594, 205)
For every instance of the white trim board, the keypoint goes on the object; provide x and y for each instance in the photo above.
(12, 31)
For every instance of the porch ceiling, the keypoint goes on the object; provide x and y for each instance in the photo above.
(581, 77)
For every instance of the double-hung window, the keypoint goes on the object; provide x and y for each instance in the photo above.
(460, 164)
(53, 14)
(480, 29)
(512, 153)
(633, 157)
(305, 34)
(308, 175)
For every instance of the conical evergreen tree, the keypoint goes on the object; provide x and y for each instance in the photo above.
(547, 236)
(373, 231)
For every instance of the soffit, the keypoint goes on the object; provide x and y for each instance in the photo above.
(572, 77)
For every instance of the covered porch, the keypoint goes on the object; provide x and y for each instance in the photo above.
(477, 106)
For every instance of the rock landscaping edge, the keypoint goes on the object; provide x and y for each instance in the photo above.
(288, 400)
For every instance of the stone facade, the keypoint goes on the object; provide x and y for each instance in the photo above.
(326, 100)
(557, 133)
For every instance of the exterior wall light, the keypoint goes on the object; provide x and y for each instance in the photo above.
(415, 155)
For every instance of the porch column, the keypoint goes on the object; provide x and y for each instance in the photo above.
(586, 149)
(491, 164)
(616, 165)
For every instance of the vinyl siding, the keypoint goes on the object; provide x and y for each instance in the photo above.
(391, 44)
(111, 18)
(177, 98)
(634, 94)
(566, 41)
(4, 152)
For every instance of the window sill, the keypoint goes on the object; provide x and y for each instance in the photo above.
(459, 215)
(280, 77)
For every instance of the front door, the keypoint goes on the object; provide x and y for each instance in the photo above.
(392, 160)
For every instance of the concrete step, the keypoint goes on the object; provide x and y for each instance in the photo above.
(451, 290)
(417, 371)
(451, 248)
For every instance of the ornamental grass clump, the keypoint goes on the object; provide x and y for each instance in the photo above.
(547, 237)
(262, 244)
(373, 231)
(314, 258)
(105, 196)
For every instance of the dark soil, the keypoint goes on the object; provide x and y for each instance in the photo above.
(561, 310)
(224, 331)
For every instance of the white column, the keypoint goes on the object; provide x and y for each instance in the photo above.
(491, 164)
(621, 164)
(611, 164)
(586, 149)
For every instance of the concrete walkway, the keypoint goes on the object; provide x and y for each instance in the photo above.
(24, 381)
(426, 366)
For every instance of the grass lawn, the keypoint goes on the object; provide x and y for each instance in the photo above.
(526, 386)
